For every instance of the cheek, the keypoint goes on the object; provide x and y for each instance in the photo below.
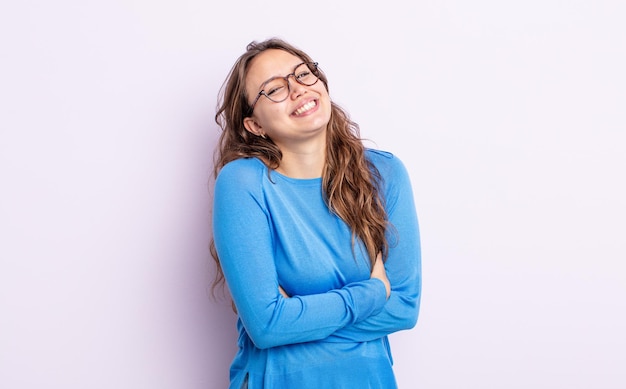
(322, 89)
(268, 113)
(325, 97)
(326, 102)
(327, 109)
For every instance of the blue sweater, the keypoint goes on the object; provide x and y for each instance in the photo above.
(273, 230)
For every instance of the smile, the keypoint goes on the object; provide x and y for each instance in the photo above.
(305, 108)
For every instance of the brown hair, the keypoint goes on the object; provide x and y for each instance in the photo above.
(350, 182)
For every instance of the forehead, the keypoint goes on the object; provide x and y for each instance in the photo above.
(268, 64)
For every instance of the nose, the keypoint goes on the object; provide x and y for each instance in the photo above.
(296, 88)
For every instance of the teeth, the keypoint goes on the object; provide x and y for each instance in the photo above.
(305, 108)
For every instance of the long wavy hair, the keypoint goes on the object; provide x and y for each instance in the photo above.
(350, 182)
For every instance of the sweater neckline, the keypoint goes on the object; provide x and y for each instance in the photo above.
(296, 181)
(273, 174)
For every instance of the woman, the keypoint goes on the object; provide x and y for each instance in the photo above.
(316, 236)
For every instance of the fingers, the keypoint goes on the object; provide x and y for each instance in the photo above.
(282, 291)
(378, 271)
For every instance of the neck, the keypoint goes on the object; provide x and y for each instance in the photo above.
(303, 163)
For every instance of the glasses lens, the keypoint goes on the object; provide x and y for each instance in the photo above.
(277, 89)
(306, 74)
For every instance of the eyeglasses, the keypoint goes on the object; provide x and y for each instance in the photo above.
(277, 89)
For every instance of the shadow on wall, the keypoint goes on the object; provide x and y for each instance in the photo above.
(216, 327)
(217, 323)
(208, 320)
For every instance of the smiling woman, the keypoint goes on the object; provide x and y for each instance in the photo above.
(315, 235)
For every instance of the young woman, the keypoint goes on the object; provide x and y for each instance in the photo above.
(315, 235)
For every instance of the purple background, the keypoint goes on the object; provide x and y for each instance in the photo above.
(509, 116)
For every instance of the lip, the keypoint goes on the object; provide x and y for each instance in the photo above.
(302, 104)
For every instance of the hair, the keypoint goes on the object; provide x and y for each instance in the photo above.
(350, 182)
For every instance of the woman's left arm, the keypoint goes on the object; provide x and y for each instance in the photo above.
(403, 264)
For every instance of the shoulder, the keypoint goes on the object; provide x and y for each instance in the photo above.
(395, 179)
(241, 173)
(243, 166)
(387, 163)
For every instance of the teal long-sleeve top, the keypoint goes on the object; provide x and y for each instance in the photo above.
(271, 230)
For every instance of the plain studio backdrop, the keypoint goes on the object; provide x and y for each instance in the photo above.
(510, 117)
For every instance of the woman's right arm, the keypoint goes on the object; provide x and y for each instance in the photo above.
(244, 243)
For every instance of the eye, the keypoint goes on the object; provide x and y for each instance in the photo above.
(303, 74)
(274, 90)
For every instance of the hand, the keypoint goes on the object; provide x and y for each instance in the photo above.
(378, 271)
(282, 291)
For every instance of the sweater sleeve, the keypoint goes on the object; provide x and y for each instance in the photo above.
(243, 239)
(403, 265)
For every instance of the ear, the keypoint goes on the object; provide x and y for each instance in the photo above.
(253, 127)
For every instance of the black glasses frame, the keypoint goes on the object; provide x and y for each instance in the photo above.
(311, 65)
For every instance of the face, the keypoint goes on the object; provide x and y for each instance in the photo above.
(304, 114)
